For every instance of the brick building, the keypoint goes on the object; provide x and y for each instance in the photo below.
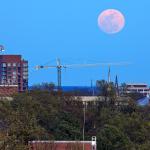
(13, 73)
(8, 90)
(63, 145)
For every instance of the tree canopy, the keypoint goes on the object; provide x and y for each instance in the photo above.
(43, 115)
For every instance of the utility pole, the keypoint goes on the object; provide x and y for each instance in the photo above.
(84, 103)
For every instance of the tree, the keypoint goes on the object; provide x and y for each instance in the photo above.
(44, 86)
(102, 85)
(40, 115)
(111, 138)
(108, 91)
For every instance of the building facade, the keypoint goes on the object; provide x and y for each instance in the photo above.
(14, 71)
(138, 88)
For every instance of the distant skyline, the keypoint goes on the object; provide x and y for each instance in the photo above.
(44, 30)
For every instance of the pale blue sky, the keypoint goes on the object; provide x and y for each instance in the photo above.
(42, 30)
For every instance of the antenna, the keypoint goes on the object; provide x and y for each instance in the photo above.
(83, 132)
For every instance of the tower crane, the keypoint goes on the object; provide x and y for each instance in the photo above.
(59, 67)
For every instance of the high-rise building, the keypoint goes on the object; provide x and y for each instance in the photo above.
(14, 71)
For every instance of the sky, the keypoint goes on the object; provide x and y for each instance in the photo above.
(43, 30)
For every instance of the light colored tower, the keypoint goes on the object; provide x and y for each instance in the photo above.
(109, 75)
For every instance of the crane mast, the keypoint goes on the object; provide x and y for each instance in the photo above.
(59, 69)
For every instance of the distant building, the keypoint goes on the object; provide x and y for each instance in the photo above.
(13, 73)
(138, 88)
(63, 145)
(145, 101)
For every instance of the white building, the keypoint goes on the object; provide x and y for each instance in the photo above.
(137, 88)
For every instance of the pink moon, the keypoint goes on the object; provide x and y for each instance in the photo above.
(111, 21)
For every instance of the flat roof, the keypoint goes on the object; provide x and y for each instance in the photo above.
(60, 142)
(7, 85)
(136, 84)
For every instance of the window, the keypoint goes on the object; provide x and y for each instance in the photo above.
(19, 69)
(14, 77)
(9, 77)
(9, 68)
(3, 73)
(25, 64)
(9, 73)
(25, 73)
(4, 69)
(25, 77)
(9, 81)
(3, 64)
(3, 81)
(9, 64)
(14, 72)
(14, 64)
(3, 77)
(18, 64)
(25, 69)
(14, 81)
(14, 68)
(24, 84)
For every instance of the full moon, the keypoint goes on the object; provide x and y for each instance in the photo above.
(111, 21)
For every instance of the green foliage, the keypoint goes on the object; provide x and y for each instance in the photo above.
(111, 138)
(106, 89)
(68, 128)
(43, 115)
(44, 86)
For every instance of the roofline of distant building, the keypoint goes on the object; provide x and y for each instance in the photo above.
(8, 85)
(11, 55)
(136, 84)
